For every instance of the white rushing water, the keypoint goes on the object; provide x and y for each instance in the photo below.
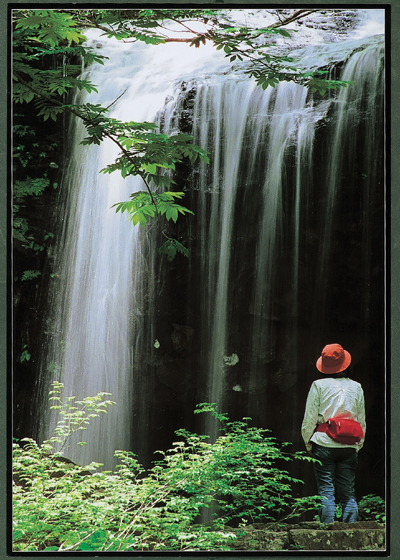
(97, 333)
(97, 302)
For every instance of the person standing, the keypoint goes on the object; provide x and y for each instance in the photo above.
(333, 430)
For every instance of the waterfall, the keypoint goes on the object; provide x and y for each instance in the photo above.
(98, 338)
(91, 349)
(250, 238)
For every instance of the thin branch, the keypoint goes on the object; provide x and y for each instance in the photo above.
(115, 100)
(185, 26)
(178, 40)
(149, 190)
(293, 17)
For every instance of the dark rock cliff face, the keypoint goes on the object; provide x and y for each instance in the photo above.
(339, 296)
(322, 282)
(43, 151)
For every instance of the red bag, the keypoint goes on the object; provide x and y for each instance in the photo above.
(342, 430)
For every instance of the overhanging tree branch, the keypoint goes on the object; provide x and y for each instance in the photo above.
(299, 14)
(86, 120)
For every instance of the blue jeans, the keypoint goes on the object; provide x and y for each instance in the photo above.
(337, 471)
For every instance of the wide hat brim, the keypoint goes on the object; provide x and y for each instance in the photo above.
(337, 368)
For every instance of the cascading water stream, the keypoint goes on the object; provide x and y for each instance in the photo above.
(223, 103)
(107, 297)
(362, 101)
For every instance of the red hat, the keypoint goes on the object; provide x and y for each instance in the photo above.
(333, 359)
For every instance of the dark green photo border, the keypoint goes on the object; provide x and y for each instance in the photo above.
(393, 275)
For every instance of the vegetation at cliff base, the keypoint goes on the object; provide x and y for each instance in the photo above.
(239, 478)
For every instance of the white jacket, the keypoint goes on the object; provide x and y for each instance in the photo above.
(329, 397)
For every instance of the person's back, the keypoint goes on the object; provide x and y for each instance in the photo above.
(334, 397)
(338, 393)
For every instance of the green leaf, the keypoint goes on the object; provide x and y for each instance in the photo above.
(150, 168)
(283, 32)
(172, 213)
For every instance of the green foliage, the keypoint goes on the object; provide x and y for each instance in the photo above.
(321, 85)
(25, 354)
(30, 275)
(143, 151)
(38, 34)
(144, 205)
(268, 69)
(26, 154)
(242, 43)
(22, 191)
(75, 416)
(338, 512)
(29, 187)
(49, 26)
(240, 474)
(60, 506)
(372, 507)
(170, 247)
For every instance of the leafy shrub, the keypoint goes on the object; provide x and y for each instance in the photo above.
(60, 506)
(372, 507)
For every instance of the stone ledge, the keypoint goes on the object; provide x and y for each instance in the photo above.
(350, 539)
(364, 535)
